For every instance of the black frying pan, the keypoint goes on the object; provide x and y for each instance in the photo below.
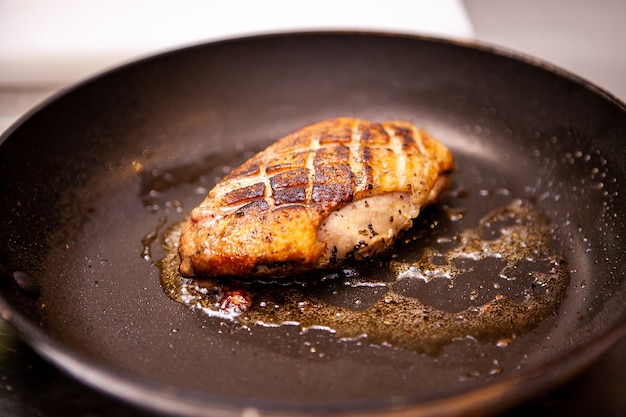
(87, 177)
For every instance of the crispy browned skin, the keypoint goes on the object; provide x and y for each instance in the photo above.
(263, 218)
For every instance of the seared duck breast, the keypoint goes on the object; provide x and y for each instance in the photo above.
(333, 191)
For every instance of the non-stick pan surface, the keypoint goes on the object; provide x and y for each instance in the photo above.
(89, 179)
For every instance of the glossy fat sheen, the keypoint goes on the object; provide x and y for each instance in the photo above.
(335, 190)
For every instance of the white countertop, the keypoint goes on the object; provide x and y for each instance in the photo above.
(57, 42)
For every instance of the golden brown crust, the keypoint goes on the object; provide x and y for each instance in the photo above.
(265, 214)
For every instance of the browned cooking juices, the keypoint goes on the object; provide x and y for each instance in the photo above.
(492, 283)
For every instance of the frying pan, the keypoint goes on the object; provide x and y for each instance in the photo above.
(91, 179)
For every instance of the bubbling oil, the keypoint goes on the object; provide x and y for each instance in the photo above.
(492, 283)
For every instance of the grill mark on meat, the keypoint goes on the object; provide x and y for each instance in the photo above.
(289, 186)
(245, 194)
(310, 165)
(336, 134)
(333, 178)
(339, 173)
(374, 135)
(260, 205)
(289, 195)
(337, 154)
(330, 194)
(361, 179)
(286, 161)
(245, 171)
(290, 178)
(399, 146)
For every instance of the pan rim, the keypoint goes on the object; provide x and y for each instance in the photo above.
(118, 384)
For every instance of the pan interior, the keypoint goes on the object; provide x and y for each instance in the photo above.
(94, 180)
